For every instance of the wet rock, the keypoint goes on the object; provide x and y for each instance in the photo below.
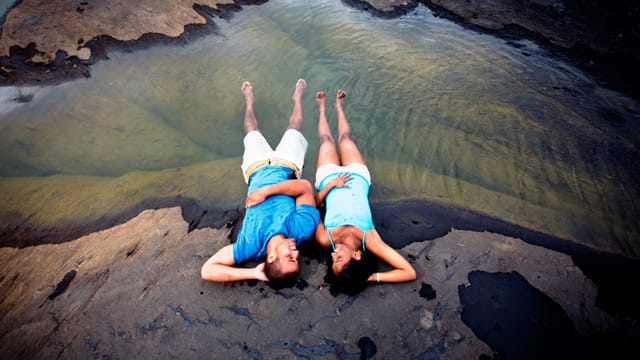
(427, 292)
(426, 321)
(23, 98)
(122, 20)
(384, 8)
(367, 348)
(137, 290)
(493, 306)
(63, 284)
(45, 42)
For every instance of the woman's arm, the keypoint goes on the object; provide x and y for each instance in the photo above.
(402, 271)
(337, 182)
(219, 268)
(321, 235)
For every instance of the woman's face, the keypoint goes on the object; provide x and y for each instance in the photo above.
(341, 256)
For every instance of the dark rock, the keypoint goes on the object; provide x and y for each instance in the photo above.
(63, 285)
(367, 348)
(427, 292)
(517, 320)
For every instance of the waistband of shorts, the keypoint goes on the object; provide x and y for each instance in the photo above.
(276, 162)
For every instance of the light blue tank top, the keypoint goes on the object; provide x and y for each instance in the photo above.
(349, 205)
(333, 246)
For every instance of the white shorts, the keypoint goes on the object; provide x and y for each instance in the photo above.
(291, 149)
(328, 170)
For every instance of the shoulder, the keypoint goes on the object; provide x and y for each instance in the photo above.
(244, 248)
(308, 210)
(373, 241)
(303, 221)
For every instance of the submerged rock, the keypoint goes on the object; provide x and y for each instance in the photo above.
(600, 37)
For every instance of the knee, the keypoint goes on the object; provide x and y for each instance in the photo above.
(345, 137)
(326, 139)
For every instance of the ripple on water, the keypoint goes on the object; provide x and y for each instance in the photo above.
(440, 113)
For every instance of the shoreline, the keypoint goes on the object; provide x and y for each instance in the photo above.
(609, 52)
(134, 289)
(125, 282)
(402, 223)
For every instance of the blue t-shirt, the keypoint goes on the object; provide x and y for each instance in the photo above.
(278, 214)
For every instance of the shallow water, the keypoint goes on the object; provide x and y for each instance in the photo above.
(5, 6)
(440, 113)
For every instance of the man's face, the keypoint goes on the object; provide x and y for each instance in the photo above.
(288, 256)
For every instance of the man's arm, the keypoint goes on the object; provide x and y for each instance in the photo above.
(219, 268)
(300, 190)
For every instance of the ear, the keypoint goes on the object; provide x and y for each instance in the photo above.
(271, 258)
(357, 255)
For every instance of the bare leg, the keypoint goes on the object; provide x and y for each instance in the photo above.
(295, 120)
(250, 122)
(327, 153)
(348, 149)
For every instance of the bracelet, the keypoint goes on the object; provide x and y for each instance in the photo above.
(378, 276)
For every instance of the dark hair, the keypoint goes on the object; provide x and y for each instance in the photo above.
(278, 279)
(353, 278)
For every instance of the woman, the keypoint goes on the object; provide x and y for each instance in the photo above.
(343, 182)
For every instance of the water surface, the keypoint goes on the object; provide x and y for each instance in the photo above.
(440, 113)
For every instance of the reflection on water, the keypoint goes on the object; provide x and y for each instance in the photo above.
(440, 113)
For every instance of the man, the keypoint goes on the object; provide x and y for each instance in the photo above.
(280, 207)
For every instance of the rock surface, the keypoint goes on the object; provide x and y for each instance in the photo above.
(602, 37)
(604, 26)
(134, 291)
(67, 36)
(67, 25)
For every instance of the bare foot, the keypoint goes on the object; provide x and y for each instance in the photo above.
(339, 96)
(320, 98)
(247, 90)
(300, 85)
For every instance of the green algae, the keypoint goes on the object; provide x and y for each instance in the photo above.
(62, 198)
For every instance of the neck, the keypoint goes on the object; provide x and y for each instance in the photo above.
(351, 239)
(273, 242)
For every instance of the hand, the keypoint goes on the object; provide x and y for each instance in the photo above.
(260, 275)
(255, 197)
(341, 180)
